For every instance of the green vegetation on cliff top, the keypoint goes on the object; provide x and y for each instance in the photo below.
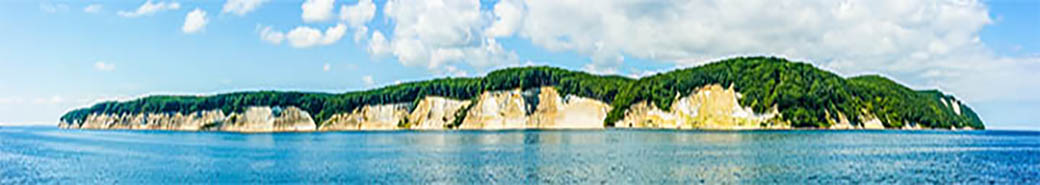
(803, 94)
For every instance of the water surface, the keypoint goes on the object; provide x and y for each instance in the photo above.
(45, 155)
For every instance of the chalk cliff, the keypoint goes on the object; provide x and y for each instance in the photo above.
(253, 119)
(369, 117)
(539, 108)
(736, 93)
(435, 113)
(708, 107)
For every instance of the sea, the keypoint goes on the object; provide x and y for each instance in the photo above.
(47, 155)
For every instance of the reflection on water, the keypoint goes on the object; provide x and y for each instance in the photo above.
(35, 155)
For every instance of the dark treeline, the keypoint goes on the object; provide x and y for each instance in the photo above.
(803, 94)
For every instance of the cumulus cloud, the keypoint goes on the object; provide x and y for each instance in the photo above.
(454, 71)
(692, 31)
(303, 36)
(269, 35)
(93, 8)
(981, 77)
(596, 69)
(241, 7)
(508, 17)
(436, 34)
(358, 14)
(194, 21)
(360, 33)
(103, 66)
(929, 43)
(150, 8)
(378, 45)
(317, 10)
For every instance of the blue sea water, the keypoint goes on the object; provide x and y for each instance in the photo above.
(45, 155)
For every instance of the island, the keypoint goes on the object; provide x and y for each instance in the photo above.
(731, 94)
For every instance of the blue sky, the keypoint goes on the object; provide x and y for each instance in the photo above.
(60, 55)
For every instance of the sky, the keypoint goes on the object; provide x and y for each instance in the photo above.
(60, 55)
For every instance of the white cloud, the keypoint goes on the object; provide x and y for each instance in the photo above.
(436, 34)
(149, 8)
(508, 17)
(979, 77)
(595, 69)
(358, 14)
(317, 10)
(367, 79)
(269, 35)
(304, 37)
(102, 66)
(327, 67)
(333, 34)
(928, 43)
(360, 33)
(53, 7)
(194, 21)
(93, 8)
(378, 45)
(455, 71)
(241, 7)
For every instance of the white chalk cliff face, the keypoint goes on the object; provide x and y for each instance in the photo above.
(715, 107)
(541, 108)
(952, 104)
(568, 112)
(149, 121)
(431, 113)
(434, 113)
(253, 119)
(869, 122)
(708, 107)
(369, 117)
(267, 119)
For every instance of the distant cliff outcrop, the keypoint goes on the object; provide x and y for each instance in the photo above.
(738, 93)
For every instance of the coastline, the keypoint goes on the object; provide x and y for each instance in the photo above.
(530, 129)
